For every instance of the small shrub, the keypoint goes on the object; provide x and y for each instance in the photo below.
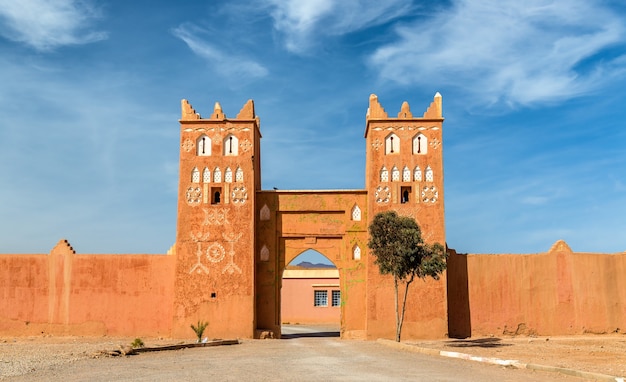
(199, 329)
(137, 343)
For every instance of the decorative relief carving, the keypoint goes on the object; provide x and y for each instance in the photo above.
(215, 253)
(239, 194)
(215, 216)
(264, 214)
(409, 210)
(430, 194)
(377, 144)
(382, 194)
(188, 145)
(193, 196)
(435, 143)
(245, 145)
(231, 238)
(198, 267)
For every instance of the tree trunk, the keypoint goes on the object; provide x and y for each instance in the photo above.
(400, 320)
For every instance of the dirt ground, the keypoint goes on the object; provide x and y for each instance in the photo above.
(604, 354)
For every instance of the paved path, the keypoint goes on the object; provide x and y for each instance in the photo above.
(300, 357)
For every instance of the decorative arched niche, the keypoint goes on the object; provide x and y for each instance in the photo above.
(392, 144)
(384, 174)
(356, 213)
(356, 252)
(231, 145)
(203, 146)
(420, 144)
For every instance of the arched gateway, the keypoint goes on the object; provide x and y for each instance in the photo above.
(233, 239)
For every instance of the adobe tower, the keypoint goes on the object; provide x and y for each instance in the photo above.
(219, 175)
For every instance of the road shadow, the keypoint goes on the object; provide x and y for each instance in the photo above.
(291, 336)
(478, 342)
(309, 331)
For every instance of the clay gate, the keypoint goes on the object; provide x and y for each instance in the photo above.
(330, 222)
(234, 239)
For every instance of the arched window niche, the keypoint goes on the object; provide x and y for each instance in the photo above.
(356, 213)
(420, 144)
(228, 175)
(217, 175)
(239, 175)
(395, 174)
(417, 174)
(203, 145)
(231, 145)
(384, 174)
(195, 175)
(356, 252)
(392, 144)
(206, 175)
(429, 174)
(406, 174)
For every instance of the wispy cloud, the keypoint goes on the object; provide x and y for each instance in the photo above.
(46, 25)
(509, 51)
(227, 64)
(302, 22)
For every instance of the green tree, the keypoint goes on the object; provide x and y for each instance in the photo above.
(396, 242)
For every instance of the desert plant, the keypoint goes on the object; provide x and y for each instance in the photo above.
(137, 343)
(199, 329)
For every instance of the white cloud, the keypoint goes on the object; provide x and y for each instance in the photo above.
(46, 25)
(230, 65)
(508, 51)
(301, 22)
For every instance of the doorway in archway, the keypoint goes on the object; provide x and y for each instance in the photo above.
(310, 297)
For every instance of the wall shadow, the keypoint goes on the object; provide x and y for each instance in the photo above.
(459, 317)
(478, 343)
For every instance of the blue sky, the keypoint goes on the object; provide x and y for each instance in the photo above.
(533, 93)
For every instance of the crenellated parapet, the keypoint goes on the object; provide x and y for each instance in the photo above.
(434, 111)
(188, 113)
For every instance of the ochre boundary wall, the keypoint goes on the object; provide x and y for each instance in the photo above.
(558, 292)
(63, 293)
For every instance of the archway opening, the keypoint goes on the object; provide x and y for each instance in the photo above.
(310, 297)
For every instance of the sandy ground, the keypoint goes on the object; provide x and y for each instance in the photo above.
(604, 354)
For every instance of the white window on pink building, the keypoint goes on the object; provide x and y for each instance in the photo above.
(336, 298)
(320, 298)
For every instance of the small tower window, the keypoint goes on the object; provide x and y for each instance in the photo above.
(420, 144)
(395, 174)
(265, 253)
(216, 195)
(384, 174)
(231, 145)
(356, 213)
(206, 175)
(405, 194)
(239, 175)
(429, 174)
(392, 144)
(217, 175)
(417, 174)
(203, 145)
(228, 175)
(356, 252)
(195, 175)
(406, 174)
(264, 214)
